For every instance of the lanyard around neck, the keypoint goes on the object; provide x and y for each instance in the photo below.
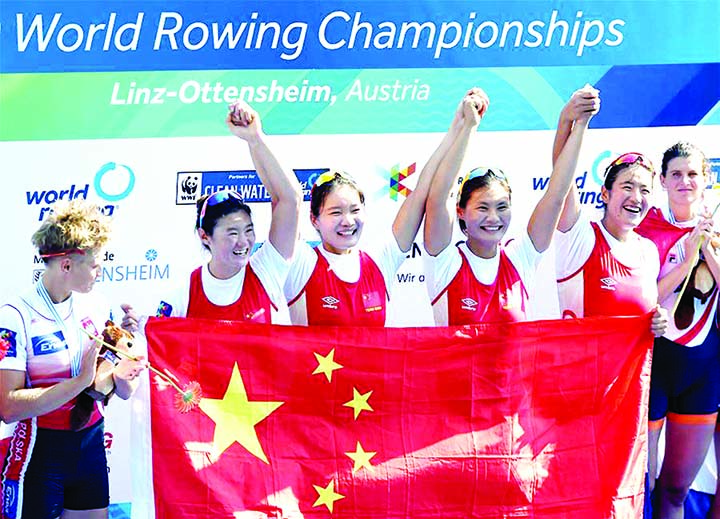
(74, 347)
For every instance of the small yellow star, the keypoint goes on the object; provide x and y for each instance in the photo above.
(327, 495)
(359, 402)
(326, 364)
(361, 458)
(235, 417)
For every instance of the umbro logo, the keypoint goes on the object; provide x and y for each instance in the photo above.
(469, 303)
(330, 302)
(608, 283)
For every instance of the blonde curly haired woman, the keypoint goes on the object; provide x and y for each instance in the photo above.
(47, 361)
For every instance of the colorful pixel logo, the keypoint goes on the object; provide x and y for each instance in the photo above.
(8, 343)
(164, 309)
(397, 176)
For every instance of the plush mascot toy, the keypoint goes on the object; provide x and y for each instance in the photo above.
(119, 338)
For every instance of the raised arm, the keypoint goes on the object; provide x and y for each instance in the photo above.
(546, 215)
(284, 189)
(583, 104)
(440, 207)
(408, 219)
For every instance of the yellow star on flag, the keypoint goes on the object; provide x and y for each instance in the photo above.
(235, 417)
(326, 365)
(361, 458)
(327, 495)
(359, 402)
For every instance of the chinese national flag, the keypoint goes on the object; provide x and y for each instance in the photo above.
(539, 420)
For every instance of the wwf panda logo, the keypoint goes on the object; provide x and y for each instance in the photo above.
(189, 185)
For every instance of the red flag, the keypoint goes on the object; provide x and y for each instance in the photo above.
(664, 234)
(539, 420)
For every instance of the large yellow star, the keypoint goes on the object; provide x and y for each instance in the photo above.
(326, 364)
(235, 417)
(359, 402)
(327, 495)
(361, 458)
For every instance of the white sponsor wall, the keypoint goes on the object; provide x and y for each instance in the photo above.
(154, 245)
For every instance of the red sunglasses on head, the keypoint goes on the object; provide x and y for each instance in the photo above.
(629, 159)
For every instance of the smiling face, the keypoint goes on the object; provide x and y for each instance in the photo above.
(486, 214)
(230, 244)
(340, 220)
(628, 200)
(684, 180)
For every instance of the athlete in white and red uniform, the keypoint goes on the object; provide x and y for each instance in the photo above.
(479, 279)
(342, 289)
(670, 237)
(338, 283)
(41, 349)
(605, 268)
(601, 275)
(469, 289)
(685, 380)
(253, 294)
(237, 284)
(55, 466)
